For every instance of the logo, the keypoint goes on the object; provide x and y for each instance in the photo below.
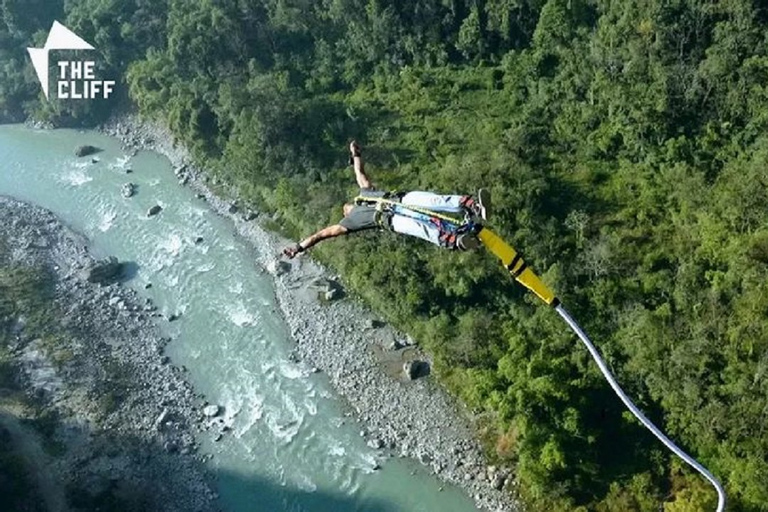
(76, 79)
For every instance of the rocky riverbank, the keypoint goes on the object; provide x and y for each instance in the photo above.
(118, 419)
(363, 357)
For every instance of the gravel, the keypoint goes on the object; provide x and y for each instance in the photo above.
(105, 380)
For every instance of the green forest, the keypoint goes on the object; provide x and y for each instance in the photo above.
(624, 143)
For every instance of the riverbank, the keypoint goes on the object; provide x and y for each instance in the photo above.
(117, 420)
(362, 357)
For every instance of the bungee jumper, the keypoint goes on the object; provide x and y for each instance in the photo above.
(449, 221)
(434, 218)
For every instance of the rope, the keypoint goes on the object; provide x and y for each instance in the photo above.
(638, 414)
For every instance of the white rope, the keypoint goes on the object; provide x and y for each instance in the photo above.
(639, 415)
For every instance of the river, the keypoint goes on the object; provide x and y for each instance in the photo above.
(293, 446)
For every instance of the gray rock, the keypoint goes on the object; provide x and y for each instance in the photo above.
(249, 216)
(105, 271)
(232, 208)
(128, 190)
(376, 444)
(278, 267)
(154, 210)
(211, 411)
(390, 342)
(415, 369)
(86, 150)
(161, 419)
(327, 289)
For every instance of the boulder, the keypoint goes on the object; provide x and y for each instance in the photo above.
(128, 189)
(416, 369)
(278, 267)
(327, 289)
(161, 419)
(249, 216)
(211, 411)
(105, 271)
(497, 481)
(154, 210)
(376, 444)
(232, 208)
(390, 342)
(198, 240)
(86, 150)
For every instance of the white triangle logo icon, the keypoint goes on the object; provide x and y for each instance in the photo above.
(59, 38)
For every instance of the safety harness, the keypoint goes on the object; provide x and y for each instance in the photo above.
(389, 204)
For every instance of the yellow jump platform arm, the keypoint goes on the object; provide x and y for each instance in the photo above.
(519, 270)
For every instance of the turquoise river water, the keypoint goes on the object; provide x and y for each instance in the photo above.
(291, 447)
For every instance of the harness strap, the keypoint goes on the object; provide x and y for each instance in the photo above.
(385, 199)
(383, 215)
(448, 226)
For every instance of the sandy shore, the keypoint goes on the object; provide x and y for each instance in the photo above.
(403, 417)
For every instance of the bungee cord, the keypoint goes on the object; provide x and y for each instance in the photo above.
(636, 412)
(520, 271)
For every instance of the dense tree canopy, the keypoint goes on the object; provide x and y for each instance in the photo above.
(624, 142)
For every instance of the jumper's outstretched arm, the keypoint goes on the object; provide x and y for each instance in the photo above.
(323, 234)
(357, 162)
